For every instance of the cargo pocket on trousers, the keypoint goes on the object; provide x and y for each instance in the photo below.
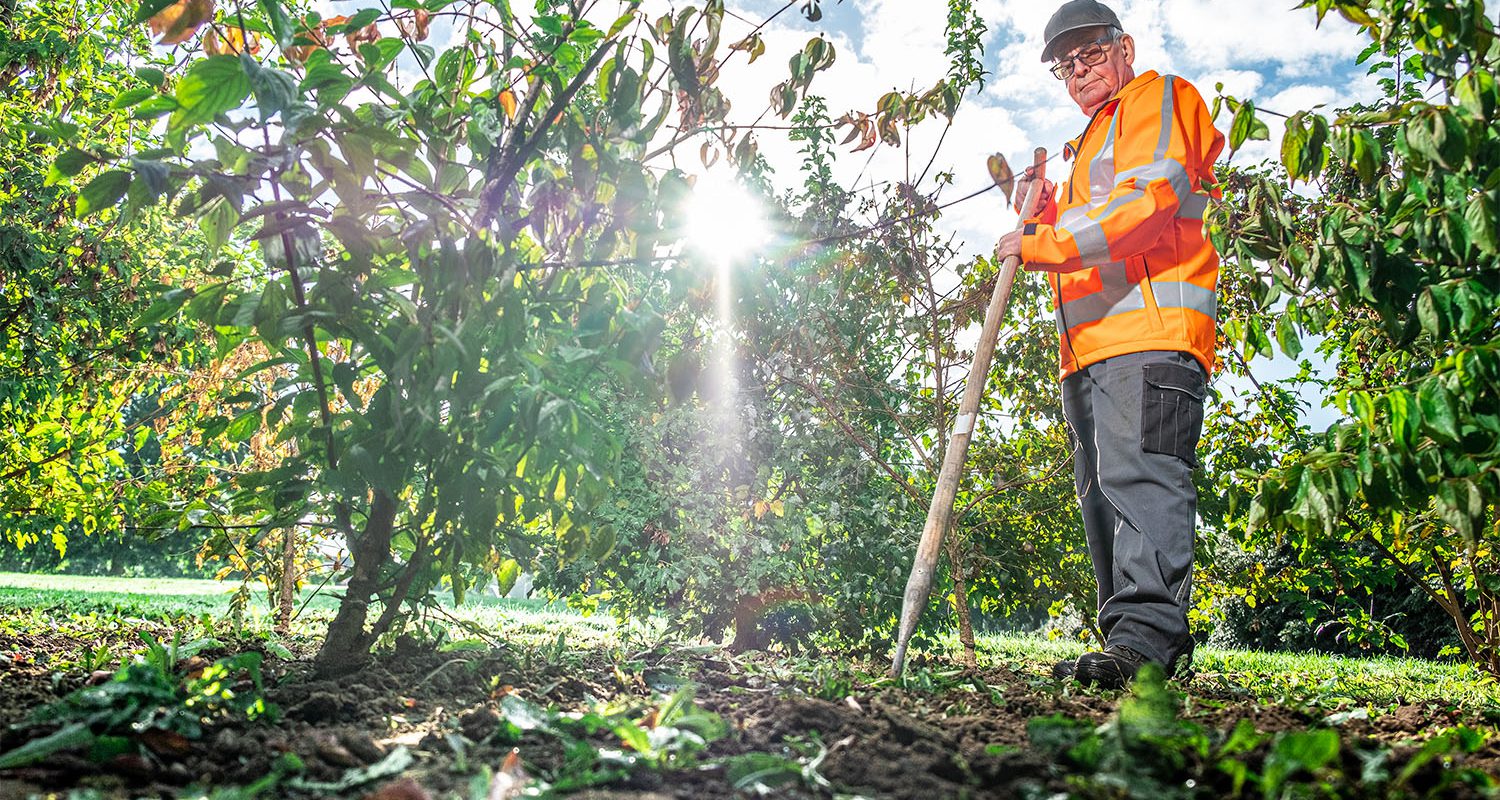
(1172, 410)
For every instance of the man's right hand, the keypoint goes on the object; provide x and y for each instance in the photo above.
(1023, 185)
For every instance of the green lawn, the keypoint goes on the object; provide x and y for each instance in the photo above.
(69, 602)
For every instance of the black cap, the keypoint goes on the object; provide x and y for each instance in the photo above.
(1073, 15)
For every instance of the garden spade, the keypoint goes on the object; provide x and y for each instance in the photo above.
(939, 514)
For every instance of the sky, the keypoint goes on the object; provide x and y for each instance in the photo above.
(1271, 53)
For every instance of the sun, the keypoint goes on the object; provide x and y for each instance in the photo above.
(725, 222)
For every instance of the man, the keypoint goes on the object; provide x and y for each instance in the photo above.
(1133, 278)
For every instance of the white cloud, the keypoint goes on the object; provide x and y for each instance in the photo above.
(1213, 34)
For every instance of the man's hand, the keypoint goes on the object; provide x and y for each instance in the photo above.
(1023, 184)
(1010, 245)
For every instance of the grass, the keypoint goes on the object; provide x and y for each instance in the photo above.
(1298, 679)
(115, 610)
(66, 603)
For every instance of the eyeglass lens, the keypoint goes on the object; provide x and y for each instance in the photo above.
(1091, 56)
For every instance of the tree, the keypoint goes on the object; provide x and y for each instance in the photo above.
(429, 274)
(77, 452)
(1396, 260)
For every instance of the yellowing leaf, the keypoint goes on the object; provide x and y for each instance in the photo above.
(507, 100)
(368, 33)
(415, 26)
(778, 508)
(231, 43)
(760, 508)
(178, 22)
(1001, 174)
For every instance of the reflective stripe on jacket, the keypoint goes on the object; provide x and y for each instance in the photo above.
(1123, 240)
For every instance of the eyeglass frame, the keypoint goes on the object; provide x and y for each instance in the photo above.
(1114, 35)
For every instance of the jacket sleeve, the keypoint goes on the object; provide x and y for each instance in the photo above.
(1164, 145)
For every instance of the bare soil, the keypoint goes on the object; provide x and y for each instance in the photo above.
(969, 740)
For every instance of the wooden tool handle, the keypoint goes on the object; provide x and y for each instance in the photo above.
(919, 584)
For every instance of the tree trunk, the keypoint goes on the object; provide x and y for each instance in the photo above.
(961, 602)
(285, 603)
(348, 644)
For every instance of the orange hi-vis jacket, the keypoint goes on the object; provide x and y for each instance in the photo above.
(1122, 240)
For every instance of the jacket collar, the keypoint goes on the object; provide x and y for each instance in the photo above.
(1137, 84)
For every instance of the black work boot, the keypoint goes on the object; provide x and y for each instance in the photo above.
(1064, 670)
(1110, 669)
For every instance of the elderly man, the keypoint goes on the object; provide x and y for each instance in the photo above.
(1133, 279)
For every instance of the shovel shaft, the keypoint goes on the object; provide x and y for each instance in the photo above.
(939, 513)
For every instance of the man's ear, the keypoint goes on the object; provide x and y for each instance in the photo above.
(1127, 47)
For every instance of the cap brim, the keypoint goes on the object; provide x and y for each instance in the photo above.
(1047, 51)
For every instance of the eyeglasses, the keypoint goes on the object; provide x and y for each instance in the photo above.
(1092, 55)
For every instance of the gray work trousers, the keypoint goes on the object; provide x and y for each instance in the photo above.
(1136, 420)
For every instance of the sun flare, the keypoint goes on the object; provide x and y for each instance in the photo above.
(724, 221)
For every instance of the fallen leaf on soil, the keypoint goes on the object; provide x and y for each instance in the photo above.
(333, 751)
(98, 676)
(362, 746)
(408, 739)
(133, 765)
(511, 780)
(166, 743)
(479, 723)
(404, 789)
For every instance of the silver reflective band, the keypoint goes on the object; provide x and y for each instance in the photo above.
(1168, 108)
(1085, 227)
(1088, 232)
(1194, 207)
(1110, 301)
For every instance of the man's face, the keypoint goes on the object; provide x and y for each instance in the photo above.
(1093, 84)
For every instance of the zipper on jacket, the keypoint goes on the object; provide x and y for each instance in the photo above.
(1148, 293)
(1083, 138)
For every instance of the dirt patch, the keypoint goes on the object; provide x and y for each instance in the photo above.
(967, 737)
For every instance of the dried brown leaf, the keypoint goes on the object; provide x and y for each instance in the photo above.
(178, 22)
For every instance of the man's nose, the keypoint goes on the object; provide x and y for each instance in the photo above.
(1080, 69)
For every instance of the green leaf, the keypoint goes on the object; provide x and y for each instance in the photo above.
(1480, 218)
(1288, 337)
(149, 9)
(155, 107)
(274, 89)
(281, 24)
(212, 86)
(507, 574)
(130, 97)
(216, 221)
(151, 75)
(1439, 411)
(361, 19)
(103, 191)
(1246, 126)
(65, 738)
(165, 306)
(69, 163)
(244, 426)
